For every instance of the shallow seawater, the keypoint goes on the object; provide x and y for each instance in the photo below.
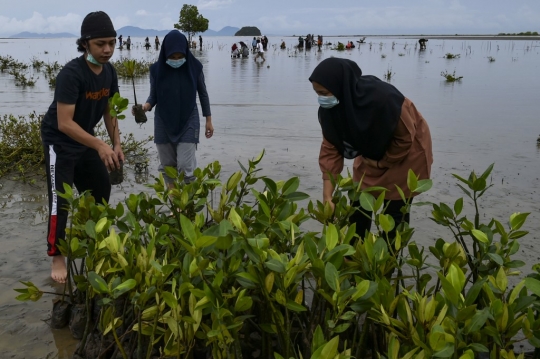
(490, 116)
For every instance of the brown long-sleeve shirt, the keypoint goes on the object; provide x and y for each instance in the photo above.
(410, 148)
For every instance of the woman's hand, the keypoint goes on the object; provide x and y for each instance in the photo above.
(147, 107)
(209, 128)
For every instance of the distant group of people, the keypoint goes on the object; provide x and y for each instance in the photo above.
(239, 51)
(263, 40)
(127, 43)
(310, 41)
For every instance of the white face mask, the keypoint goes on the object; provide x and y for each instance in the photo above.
(176, 63)
(92, 60)
(328, 101)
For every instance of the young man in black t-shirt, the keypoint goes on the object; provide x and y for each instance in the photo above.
(73, 155)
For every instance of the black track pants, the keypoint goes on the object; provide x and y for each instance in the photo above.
(85, 170)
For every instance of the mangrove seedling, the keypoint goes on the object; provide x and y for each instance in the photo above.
(491, 59)
(117, 104)
(450, 56)
(388, 74)
(140, 116)
(451, 77)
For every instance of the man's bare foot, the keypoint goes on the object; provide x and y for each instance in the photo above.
(59, 269)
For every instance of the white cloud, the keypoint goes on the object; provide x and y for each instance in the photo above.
(38, 23)
(280, 22)
(120, 21)
(141, 13)
(214, 4)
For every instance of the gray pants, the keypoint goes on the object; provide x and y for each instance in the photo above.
(180, 156)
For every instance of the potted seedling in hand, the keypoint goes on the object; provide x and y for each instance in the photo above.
(137, 109)
(117, 104)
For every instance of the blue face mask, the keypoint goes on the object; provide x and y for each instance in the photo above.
(328, 101)
(92, 60)
(175, 63)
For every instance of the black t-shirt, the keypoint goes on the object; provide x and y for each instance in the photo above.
(77, 84)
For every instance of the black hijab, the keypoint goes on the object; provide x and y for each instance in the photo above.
(363, 122)
(176, 89)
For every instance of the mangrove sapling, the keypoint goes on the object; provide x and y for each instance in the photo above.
(140, 116)
(389, 74)
(117, 105)
(451, 56)
(451, 77)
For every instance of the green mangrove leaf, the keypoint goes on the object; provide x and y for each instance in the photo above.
(477, 321)
(501, 279)
(290, 186)
(296, 196)
(275, 265)
(393, 347)
(124, 287)
(386, 222)
(101, 224)
(468, 354)
(188, 229)
(243, 304)
(318, 339)
(233, 181)
(458, 206)
(169, 299)
(295, 307)
(330, 349)
(205, 241)
(479, 184)
(331, 236)
(479, 348)
(517, 220)
(269, 282)
(515, 292)
(412, 181)
(97, 283)
(90, 229)
(533, 285)
(361, 289)
(480, 236)
(456, 277)
(367, 201)
(332, 276)
(449, 290)
(423, 186)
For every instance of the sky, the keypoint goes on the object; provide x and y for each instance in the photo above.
(285, 17)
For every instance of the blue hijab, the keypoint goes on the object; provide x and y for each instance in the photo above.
(176, 89)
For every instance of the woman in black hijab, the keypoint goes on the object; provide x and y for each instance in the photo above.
(370, 121)
(175, 80)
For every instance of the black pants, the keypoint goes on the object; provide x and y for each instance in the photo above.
(363, 222)
(84, 170)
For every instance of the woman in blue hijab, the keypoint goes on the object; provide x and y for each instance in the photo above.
(175, 80)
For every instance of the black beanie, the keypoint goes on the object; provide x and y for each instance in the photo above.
(97, 24)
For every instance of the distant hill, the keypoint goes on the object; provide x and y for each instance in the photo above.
(126, 31)
(248, 31)
(138, 32)
(26, 35)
